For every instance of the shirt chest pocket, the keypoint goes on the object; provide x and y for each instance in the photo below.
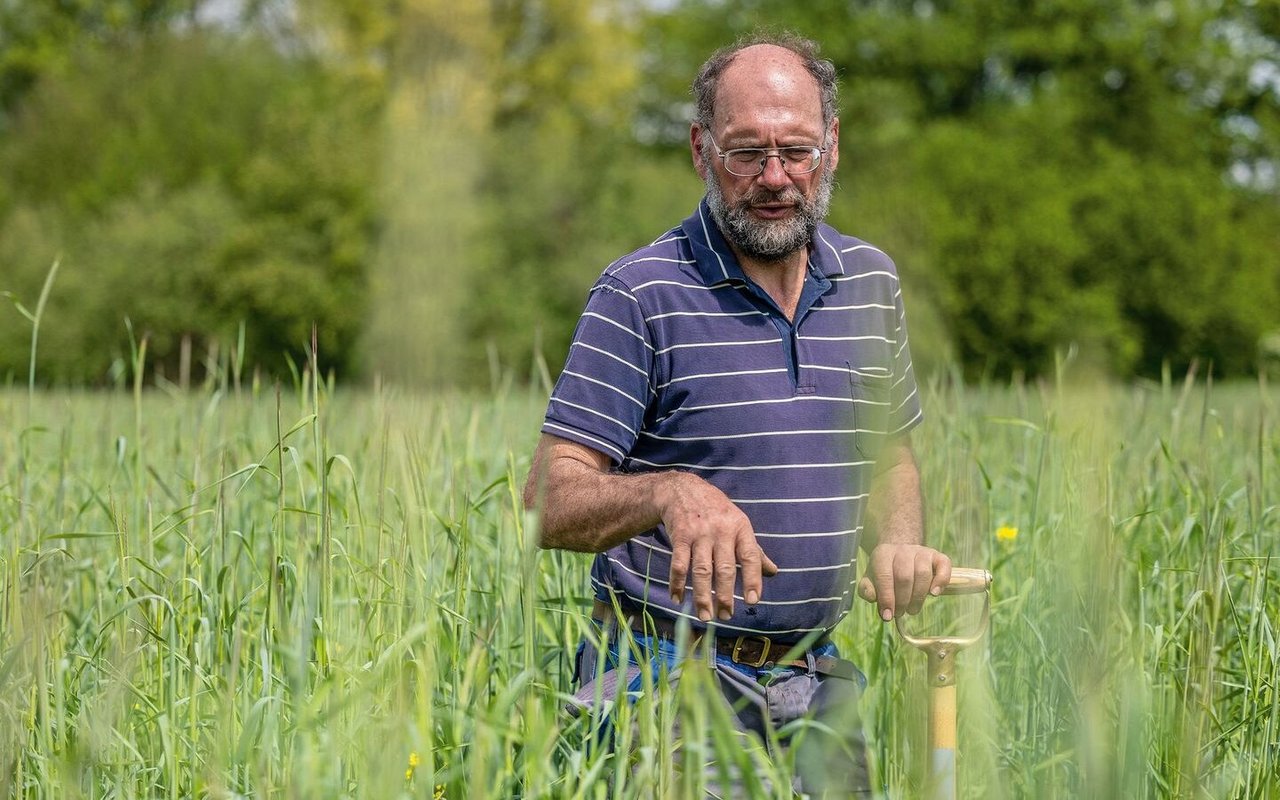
(870, 396)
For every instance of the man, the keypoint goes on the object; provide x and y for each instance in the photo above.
(732, 393)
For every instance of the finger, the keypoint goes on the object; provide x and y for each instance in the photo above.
(751, 557)
(885, 589)
(766, 564)
(726, 573)
(904, 581)
(702, 570)
(867, 590)
(941, 573)
(679, 571)
(922, 580)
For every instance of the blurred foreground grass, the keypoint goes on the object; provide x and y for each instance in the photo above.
(328, 594)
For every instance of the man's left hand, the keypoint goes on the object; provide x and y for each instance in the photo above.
(900, 576)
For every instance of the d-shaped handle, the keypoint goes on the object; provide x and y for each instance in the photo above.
(964, 580)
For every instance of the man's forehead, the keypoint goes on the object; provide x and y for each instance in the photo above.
(763, 76)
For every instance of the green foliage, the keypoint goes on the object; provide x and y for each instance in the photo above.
(208, 593)
(434, 185)
(568, 191)
(1134, 259)
(40, 38)
(1051, 174)
(191, 184)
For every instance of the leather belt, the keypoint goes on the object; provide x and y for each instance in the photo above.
(750, 651)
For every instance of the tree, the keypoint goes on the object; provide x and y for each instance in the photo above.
(38, 39)
(192, 183)
(1090, 172)
(561, 155)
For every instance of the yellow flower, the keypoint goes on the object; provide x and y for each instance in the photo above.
(414, 761)
(1006, 534)
(438, 794)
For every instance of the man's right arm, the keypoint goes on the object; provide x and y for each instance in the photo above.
(588, 508)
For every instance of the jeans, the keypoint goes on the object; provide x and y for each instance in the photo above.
(830, 757)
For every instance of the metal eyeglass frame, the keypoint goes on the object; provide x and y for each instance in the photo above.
(767, 153)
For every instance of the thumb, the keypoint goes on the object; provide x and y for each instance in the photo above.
(866, 590)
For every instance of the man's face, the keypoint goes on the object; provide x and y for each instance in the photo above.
(766, 98)
(775, 236)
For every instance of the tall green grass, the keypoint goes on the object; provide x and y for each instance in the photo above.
(240, 591)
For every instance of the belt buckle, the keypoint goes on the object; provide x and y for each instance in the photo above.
(764, 654)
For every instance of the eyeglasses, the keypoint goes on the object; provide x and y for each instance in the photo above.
(748, 162)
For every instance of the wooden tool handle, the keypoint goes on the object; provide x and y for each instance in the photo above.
(968, 580)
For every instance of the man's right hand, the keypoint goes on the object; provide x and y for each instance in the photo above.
(710, 538)
(588, 508)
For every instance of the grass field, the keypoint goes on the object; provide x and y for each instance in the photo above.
(323, 593)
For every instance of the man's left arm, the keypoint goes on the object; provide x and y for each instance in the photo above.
(901, 570)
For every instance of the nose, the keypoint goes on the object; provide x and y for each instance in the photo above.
(773, 176)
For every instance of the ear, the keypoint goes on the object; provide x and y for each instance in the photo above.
(695, 150)
(833, 150)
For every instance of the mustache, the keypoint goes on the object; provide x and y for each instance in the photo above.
(788, 194)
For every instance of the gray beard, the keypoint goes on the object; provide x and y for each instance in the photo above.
(766, 240)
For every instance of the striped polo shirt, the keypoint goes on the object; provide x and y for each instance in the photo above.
(679, 361)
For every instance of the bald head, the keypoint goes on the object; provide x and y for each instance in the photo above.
(755, 58)
(767, 82)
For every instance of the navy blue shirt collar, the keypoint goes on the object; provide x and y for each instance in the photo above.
(717, 263)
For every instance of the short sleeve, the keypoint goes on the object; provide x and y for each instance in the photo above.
(601, 396)
(904, 405)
